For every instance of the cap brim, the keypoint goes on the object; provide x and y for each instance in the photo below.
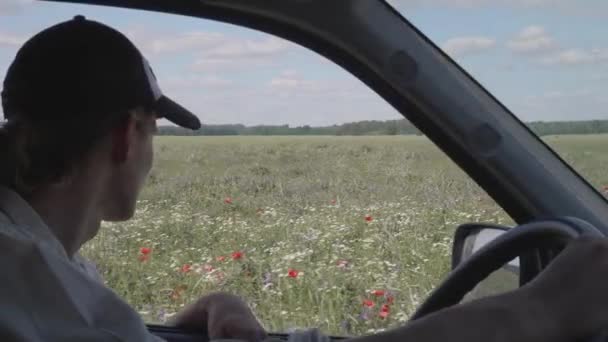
(174, 112)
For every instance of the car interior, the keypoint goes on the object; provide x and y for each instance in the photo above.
(549, 202)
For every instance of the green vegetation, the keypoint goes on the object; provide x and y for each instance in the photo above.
(569, 127)
(390, 127)
(320, 222)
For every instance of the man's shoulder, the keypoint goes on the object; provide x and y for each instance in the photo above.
(88, 267)
(11, 233)
(9, 229)
(37, 279)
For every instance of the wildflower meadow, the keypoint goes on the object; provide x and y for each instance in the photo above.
(348, 234)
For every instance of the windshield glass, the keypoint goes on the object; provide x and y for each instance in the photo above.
(547, 61)
(305, 193)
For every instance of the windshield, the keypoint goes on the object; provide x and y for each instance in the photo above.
(305, 192)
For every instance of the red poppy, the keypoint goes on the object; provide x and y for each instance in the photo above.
(144, 254)
(390, 299)
(368, 218)
(369, 303)
(228, 200)
(384, 311)
(237, 255)
(378, 293)
(292, 273)
(220, 258)
(186, 268)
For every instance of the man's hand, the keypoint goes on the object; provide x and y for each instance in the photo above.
(223, 316)
(568, 301)
(572, 290)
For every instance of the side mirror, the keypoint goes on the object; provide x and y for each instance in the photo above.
(468, 239)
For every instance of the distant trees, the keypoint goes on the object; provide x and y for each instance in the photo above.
(569, 127)
(390, 127)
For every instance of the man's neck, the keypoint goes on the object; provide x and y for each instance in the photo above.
(70, 213)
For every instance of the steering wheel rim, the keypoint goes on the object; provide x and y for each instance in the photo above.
(523, 238)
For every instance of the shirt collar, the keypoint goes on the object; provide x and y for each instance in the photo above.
(27, 220)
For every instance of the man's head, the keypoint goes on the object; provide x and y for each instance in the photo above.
(80, 99)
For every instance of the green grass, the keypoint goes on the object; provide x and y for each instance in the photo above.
(300, 203)
(587, 153)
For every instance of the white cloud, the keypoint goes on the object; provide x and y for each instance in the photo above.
(290, 79)
(577, 57)
(595, 9)
(564, 104)
(10, 40)
(152, 43)
(214, 45)
(239, 48)
(186, 42)
(11, 6)
(211, 51)
(480, 3)
(189, 82)
(532, 39)
(288, 98)
(237, 53)
(461, 46)
(468, 3)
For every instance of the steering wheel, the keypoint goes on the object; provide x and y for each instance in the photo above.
(515, 242)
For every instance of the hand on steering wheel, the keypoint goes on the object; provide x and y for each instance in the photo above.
(221, 316)
(572, 290)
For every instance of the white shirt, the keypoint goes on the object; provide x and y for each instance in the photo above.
(46, 296)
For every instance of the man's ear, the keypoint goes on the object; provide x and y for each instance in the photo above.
(122, 140)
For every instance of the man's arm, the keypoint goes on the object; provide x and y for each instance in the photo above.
(509, 317)
(567, 301)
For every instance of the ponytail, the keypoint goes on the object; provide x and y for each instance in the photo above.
(16, 169)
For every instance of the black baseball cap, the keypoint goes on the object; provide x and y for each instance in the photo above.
(80, 67)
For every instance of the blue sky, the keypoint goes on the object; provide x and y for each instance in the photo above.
(545, 59)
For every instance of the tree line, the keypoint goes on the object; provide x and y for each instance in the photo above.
(390, 127)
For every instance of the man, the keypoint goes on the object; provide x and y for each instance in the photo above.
(81, 105)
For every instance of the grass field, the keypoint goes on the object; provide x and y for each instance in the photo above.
(348, 234)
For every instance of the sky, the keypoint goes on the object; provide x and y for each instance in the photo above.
(544, 59)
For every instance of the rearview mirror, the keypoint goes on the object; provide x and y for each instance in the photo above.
(470, 238)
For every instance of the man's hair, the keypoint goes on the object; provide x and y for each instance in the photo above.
(34, 154)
